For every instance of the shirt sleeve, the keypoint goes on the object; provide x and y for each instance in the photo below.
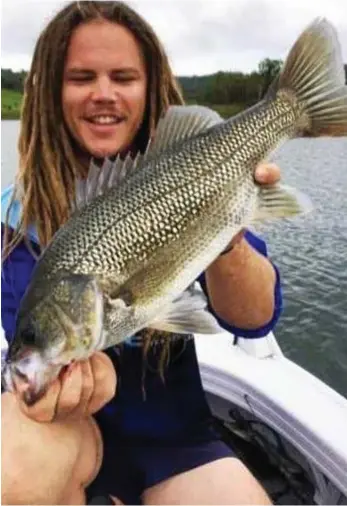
(259, 245)
(15, 276)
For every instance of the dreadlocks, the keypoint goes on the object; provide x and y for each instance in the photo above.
(48, 162)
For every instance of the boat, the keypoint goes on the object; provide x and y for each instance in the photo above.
(286, 425)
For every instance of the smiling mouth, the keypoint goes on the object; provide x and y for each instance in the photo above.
(105, 120)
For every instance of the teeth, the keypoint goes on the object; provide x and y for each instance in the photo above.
(104, 120)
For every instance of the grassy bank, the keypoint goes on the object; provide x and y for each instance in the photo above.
(10, 104)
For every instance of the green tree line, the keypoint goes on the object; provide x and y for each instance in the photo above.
(13, 81)
(218, 88)
(222, 89)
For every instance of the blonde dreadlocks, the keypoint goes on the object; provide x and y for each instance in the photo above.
(48, 162)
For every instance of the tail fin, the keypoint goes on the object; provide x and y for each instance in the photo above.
(314, 71)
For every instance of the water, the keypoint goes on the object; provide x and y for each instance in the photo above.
(310, 251)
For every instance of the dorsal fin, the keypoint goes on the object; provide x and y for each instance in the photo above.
(178, 124)
(111, 173)
(181, 123)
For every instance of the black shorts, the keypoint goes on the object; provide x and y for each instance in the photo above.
(153, 430)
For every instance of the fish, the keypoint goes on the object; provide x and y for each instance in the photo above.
(142, 229)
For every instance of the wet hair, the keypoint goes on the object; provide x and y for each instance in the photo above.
(48, 161)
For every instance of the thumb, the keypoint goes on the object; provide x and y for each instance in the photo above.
(267, 173)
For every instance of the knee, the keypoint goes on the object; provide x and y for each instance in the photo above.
(90, 455)
(224, 481)
(246, 489)
(41, 461)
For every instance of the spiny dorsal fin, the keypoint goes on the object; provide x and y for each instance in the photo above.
(181, 123)
(178, 124)
(110, 174)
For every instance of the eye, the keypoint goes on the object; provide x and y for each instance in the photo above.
(80, 79)
(124, 76)
(79, 76)
(29, 336)
(125, 79)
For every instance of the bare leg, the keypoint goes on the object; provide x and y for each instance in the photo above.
(224, 481)
(46, 463)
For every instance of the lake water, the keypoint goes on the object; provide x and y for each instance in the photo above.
(310, 251)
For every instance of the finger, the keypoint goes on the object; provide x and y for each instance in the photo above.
(70, 393)
(44, 409)
(116, 500)
(267, 173)
(105, 381)
(237, 238)
(87, 390)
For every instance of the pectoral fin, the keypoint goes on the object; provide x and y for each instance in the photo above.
(280, 201)
(187, 314)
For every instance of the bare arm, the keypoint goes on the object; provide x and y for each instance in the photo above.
(241, 287)
(241, 283)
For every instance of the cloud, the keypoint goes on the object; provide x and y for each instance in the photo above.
(200, 36)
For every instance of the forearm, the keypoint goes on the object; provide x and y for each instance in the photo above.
(241, 287)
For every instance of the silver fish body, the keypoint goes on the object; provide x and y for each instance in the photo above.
(123, 261)
(150, 238)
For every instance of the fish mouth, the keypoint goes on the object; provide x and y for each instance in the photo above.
(25, 387)
(29, 378)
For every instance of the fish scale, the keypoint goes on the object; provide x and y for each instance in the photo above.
(224, 157)
(107, 237)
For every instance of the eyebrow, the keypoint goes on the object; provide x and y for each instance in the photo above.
(121, 70)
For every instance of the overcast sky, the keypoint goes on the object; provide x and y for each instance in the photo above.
(200, 36)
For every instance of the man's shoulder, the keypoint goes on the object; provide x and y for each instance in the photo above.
(11, 210)
(9, 207)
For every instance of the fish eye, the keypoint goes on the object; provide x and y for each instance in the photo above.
(28, 335)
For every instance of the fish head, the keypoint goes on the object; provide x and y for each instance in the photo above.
(64, 326)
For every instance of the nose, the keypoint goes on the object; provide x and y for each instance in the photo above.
(104, 90)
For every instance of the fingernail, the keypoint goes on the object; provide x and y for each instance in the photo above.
(71, 367)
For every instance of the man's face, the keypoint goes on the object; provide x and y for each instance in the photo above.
(104, 87)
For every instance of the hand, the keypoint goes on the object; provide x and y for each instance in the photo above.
(80, 390)
(265, 173)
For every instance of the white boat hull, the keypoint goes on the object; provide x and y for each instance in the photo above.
(303, 410)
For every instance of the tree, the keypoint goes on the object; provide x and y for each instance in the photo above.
(12, 80)
(268, 70)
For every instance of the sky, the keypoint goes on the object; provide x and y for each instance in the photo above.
(200, 36)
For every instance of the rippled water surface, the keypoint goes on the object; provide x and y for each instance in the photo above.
(310, 251)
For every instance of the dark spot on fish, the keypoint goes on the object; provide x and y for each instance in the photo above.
(29, 335)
